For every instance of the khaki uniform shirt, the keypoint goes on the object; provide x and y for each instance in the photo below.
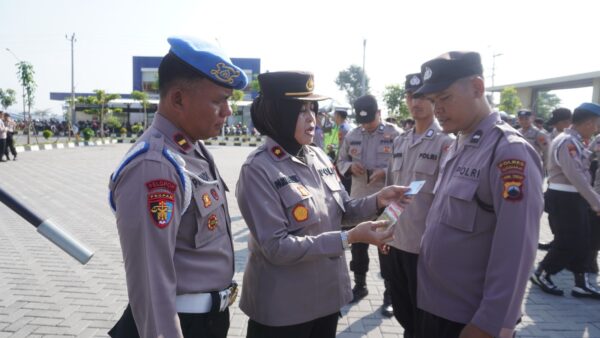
(296, 269)
(569, 164)
(372, 150)
(415, 161)
(539, 139)
(476, 257)
(168, 251)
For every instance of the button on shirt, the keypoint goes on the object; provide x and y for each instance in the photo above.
(569, 163)
(474, 264)
(415, 161)
(167, 252)
(372, 150)
(296, 270)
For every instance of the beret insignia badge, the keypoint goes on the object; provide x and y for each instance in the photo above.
(225, 73)
(427, 74)
(310, 84)
(415, 81)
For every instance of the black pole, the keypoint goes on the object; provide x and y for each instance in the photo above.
(51, 231)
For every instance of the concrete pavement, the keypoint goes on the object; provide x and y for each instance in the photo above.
(45, 293)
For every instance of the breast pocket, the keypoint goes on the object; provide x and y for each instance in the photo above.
(335, 187)
(425, 170)
(459, 209)
(300, 208)
(211, 219)
(397, 161)
(355, 152)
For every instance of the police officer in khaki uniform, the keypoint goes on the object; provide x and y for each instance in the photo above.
(416, 156)
(364, 155)
(170, 203)
(569, 198)
(296, 279)
(560, 120)
(482, 229)
(539, 139)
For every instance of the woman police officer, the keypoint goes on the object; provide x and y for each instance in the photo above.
(296, 279)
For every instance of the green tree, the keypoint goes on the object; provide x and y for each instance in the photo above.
(393, 96)
(509, 100)
(236, 97)
(545, 103)
(142, 98)
(350, 80)
(25, 73)
(98, 105)
(8, 97)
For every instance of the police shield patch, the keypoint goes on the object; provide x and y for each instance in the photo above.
(160, 206)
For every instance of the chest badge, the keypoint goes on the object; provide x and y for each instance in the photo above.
(160, 206)
(214, 194)
(303, 191)
(206, 200)
(212, 223)
(300, 213)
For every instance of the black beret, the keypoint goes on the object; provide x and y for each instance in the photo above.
(441, 72)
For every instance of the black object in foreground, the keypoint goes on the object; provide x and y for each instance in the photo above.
(51, 231)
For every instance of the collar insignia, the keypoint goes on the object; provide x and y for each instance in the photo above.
(277, 151)
(182, 142)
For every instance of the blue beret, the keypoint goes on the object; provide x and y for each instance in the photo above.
(209, 60)
(591, 107)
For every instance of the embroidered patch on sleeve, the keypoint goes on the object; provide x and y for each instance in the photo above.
(572, 149)
(542, 140)
(300, 213)
(161, 206)
(512, 173)
(161, 184)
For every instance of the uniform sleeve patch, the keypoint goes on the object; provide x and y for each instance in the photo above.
(542, 140)
(161, 206)
(512, 175)
(300, 213)
(572, 149)
(161, 184)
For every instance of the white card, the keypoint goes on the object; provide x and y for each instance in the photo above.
(414, 187)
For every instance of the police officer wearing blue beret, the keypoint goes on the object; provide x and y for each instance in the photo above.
(170, 203)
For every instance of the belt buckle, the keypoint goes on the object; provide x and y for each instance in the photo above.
(233, 292)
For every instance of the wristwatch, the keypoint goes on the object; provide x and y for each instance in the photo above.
(344, 235)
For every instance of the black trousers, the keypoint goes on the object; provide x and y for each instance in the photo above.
(360, 260)
(431, 326)
(2, 148)
(193, 325)
(403, 289)
(10, 145)
(569, 212)
(592, 258)
(323, 327)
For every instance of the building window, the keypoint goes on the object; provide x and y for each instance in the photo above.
(150, 80)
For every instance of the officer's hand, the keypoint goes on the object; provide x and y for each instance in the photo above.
(392, 193)
(357, 169)
(369, 232)
(472, 331)
(384, 249)
(377, 175)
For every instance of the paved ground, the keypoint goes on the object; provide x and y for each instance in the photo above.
(45, 293)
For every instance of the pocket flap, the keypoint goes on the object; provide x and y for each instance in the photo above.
(208, 198)
(293, 194)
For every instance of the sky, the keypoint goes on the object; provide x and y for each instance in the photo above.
(537, 39)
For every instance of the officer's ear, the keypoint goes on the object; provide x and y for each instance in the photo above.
(175, 97)
(478, 86)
